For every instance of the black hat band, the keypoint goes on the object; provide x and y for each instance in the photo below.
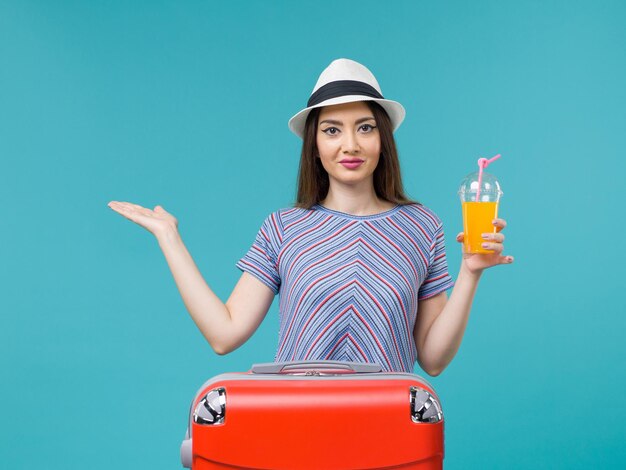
(342, 88)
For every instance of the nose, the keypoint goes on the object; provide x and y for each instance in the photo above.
(350, 143)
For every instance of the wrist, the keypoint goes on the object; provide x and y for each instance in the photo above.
(469, 273)
(167, 235)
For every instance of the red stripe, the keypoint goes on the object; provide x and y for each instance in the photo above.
(259, 270)
(257, 248)
(349, 336)
(432, 294)
(309, 214)
(406, 318)
(435, 278)
(418, 225)
(380, 346)
(264, 253)
(301, 235)
(265, 235)
(276, 228)
(397, 248)
(336, 345)
(425, 212)
(390, 264)
(363, 355)
(411, 240)
(333, 321)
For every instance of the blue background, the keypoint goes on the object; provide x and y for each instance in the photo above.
(185, 104)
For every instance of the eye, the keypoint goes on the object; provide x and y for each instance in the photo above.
(330, 131)
(368, 128)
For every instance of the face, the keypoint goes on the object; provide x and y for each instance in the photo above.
(348, 142)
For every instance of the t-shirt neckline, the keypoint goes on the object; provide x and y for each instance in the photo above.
(356, 217)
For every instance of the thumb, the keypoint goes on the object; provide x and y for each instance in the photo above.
(158, 209)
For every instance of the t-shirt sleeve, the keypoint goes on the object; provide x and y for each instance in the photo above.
(261, 260)
(438, 279)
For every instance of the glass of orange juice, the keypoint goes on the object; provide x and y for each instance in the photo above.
(480, 196)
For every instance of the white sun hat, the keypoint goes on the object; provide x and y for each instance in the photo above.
(345, 81)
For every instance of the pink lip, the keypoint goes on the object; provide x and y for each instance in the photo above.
(351, 163)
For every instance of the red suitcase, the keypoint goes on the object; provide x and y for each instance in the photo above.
(315, 415)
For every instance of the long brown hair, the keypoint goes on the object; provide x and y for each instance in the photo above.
(313, 180)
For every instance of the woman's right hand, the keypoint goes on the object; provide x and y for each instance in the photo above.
(156, 221)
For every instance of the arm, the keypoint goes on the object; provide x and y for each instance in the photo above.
(441, 323)
(225, 326)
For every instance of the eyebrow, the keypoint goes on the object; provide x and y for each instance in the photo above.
(339, 123)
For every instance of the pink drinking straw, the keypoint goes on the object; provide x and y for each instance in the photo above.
(482, 164)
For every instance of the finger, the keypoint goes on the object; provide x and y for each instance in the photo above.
(116, 206)
(460, 236)
(138, 210)
(496, 247)
(128, 211)
(119, 205)
(136, 207)
(506, 259)
(496, 237)
(128, 205)
(124, 210)
(499, 223)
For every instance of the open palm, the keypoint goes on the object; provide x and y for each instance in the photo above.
(155, 221)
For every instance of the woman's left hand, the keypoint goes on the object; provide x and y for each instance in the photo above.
(477, 262)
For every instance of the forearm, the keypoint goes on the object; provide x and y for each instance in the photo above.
(446, 333)
(208, 312)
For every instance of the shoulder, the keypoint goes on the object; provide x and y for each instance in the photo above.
(422, 215)
(287, 215)
(282, 219)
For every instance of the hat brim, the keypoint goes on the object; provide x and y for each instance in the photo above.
(394, 109)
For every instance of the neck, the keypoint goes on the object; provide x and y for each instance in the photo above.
(355, 200)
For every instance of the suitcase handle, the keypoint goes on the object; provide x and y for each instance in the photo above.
(278, 367)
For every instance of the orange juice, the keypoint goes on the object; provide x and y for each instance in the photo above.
(477, 219)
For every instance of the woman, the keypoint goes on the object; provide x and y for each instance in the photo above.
(361, 270)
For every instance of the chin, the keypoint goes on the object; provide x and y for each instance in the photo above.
(352, 179)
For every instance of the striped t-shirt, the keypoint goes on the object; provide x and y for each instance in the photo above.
(349, 285)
